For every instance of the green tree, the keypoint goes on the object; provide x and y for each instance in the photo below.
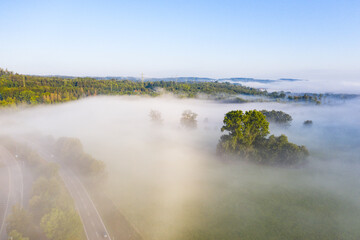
(62, 225)
(15, 235)
(18, 220)
(247, 138)
(278, 150)
(308, 123)
(279, 117)
(46, 194)
(243, 130)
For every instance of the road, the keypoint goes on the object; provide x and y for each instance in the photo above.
(94, 226)
(11, 189)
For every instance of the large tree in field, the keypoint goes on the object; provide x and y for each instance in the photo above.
(244, 130)
(247, 138)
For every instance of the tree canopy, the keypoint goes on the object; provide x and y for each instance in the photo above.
(279, 117)
(15, 235)
(61, 225)
(247, 138)
(308, 123)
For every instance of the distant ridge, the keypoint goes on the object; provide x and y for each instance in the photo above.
(203, 79)
(185, 79)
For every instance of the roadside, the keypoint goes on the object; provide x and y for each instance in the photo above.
(118, 226)
(4, 197)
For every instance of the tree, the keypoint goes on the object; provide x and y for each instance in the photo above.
(46, 194)
(61, 225)
(15, 235)
(71, 152)
(247, 138)
(278, 150)
(244, 129)
(155, 117)
(279, 117)
(308, 123)
(18, 220)
(188, 119)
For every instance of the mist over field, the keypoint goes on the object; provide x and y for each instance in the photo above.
(170, 184)
(325, 85)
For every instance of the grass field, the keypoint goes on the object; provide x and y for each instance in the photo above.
(244, 202)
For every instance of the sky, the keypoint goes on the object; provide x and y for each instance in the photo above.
(313, 40)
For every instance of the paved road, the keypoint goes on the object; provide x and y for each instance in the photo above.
(11, 189)
(93, 225)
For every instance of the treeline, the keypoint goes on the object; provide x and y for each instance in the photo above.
(24, 89)
(316, 98)
(50, 213)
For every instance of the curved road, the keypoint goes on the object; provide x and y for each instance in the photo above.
(94, 226)
(11, 187)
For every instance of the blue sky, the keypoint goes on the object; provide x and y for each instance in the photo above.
(310, 39)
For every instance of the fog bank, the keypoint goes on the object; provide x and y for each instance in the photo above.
(169, 183)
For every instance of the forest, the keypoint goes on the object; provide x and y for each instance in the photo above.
(17, 89)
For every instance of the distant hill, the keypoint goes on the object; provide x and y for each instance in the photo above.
(187, 79)
(234, 80)
(203, 79)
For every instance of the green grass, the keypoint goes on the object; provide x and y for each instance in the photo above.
(246, 203)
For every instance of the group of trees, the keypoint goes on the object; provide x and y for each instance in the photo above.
(308, 122)
(70, 152)
(50, 213)
(315, 98)
(247, 138)
(278, 117)
(188, 118)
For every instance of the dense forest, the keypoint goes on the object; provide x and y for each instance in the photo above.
(18, 89)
